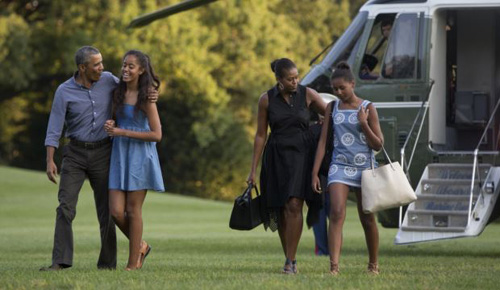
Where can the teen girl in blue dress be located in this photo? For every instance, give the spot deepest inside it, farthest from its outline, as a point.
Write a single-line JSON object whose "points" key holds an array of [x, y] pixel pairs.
{"points": [[356, 134], [134, 165]]}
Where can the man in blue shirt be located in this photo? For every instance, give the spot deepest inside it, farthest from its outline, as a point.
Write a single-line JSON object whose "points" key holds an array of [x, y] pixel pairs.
{"points": [[82, 104]]}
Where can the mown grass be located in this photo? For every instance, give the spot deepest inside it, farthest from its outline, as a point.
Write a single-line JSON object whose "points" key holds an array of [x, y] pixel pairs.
{"points": [[193, 248]]}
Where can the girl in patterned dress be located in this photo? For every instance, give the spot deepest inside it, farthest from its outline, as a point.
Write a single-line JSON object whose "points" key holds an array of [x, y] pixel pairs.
{"points": [[356, 134]]}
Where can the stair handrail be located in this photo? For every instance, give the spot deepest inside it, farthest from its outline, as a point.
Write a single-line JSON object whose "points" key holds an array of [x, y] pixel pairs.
{"points": [[489, 124], [475, 164], [423, 109], [450, 153], [406, 165], [473, 180]]}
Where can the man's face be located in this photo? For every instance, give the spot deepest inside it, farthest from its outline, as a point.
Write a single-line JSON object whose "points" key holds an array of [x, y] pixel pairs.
{"points": [[386, 30], [93, 68]]}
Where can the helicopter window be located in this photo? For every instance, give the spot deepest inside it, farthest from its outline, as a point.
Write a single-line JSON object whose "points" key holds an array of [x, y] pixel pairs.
{"points": [[343, 48], [400, 57], [319, 77], [377, 45]]}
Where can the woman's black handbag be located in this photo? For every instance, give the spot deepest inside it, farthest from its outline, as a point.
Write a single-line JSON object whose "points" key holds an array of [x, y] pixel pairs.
{"points": [[246, 211]]}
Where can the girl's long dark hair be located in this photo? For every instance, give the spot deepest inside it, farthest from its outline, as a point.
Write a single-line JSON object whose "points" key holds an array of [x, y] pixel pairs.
{"points": [[147, 80]]}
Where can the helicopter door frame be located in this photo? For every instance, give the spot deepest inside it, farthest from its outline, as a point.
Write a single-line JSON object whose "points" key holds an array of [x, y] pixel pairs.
{"points": [[437, 72]]}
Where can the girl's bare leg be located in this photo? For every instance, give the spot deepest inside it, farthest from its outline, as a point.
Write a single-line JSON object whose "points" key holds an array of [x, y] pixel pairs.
{"points": [[117, 206], [371, 231], [135, 200], [338, 198]]}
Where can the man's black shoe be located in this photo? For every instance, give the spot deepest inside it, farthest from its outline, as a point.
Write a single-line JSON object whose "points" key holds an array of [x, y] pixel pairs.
{"points": [[53, 267]]}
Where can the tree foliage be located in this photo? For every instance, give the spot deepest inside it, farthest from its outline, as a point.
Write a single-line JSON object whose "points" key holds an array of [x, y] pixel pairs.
{"points": [[213, 63]]}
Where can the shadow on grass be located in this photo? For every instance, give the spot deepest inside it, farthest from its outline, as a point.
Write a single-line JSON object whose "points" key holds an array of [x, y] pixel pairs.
{"points": [[412, 251], [261, 247]]}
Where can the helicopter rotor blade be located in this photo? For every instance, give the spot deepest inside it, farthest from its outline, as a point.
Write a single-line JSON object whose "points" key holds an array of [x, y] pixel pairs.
{"points": [[167, 11]]}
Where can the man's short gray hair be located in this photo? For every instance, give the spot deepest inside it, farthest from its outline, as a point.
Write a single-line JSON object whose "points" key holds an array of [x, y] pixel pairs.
{"points": [[83, 54]]}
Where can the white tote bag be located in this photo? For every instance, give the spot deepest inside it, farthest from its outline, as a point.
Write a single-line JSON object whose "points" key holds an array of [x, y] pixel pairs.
{"points": [[385, 187]]}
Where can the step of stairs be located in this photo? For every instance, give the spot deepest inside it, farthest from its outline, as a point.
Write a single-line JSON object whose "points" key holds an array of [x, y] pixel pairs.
{"points": [[437, 218], [437, 202], [432, 229], [455, 171], [448, 186]]}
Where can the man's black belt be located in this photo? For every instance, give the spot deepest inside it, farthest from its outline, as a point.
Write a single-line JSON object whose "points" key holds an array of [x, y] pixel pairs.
{"points": [[90, 145]]}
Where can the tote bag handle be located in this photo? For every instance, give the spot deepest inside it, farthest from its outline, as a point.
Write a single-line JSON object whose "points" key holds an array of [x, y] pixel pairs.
{"points": [[386, 157]]}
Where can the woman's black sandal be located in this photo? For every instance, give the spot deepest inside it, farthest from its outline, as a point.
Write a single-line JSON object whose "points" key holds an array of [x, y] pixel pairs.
{"points": [[288, 267]]}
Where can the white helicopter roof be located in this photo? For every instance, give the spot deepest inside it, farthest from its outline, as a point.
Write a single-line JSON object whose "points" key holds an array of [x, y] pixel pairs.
{"points": [[387, 6]]}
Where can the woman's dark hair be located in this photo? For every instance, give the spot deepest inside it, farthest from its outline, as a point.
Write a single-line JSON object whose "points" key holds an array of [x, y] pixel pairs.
{"points": [[343, 70], [279, 66], [147, 80]]}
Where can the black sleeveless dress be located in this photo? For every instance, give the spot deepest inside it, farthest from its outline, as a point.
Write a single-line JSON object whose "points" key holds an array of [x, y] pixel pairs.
{"points": [[288, 157]]}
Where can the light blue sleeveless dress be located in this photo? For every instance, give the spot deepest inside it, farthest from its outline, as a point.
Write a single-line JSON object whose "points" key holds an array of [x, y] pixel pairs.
{"points": [[351, 154], [134, 163]]}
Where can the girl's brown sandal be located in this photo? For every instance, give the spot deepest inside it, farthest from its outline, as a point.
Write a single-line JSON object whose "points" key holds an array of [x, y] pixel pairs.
{"points": [[373, 269], [334, 268]]}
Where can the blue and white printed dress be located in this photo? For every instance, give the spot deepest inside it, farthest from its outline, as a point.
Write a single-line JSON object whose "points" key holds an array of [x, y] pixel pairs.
{"points": [[351, 154], [134, 163]]}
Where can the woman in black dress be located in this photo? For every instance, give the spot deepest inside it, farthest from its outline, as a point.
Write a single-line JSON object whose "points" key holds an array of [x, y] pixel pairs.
{"points": [[288, 156]]}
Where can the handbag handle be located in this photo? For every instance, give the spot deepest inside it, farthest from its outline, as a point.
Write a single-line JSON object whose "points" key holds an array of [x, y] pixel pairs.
{"points": [[386, 157], [256, 189], [247, 194], [250, 186]]}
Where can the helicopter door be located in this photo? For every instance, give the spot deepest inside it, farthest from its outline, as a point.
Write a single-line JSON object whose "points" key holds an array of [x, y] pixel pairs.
{"points": [[471, 65]]}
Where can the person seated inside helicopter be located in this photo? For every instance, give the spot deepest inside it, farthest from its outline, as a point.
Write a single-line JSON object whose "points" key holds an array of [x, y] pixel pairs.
{"points": [[370, 68], [367, 66], [399, 62], [385, 28]]}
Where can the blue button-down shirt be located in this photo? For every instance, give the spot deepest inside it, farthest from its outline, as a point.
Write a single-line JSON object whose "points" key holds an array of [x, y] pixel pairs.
{"points": [[84, 111]]}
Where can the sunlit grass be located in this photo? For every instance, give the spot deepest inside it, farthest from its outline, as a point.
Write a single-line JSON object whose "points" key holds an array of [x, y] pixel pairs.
{"points": [[193, 248]]}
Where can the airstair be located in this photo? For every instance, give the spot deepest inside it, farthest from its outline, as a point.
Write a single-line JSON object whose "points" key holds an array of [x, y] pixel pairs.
{"points": [[454, 200], [450, 203]]}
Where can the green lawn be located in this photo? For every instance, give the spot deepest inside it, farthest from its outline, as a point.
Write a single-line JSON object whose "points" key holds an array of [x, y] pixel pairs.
{"points": [[193, 248]]}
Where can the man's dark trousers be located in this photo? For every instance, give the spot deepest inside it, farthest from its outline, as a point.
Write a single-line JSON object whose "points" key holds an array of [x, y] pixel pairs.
{"points": [[79, 163]]}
